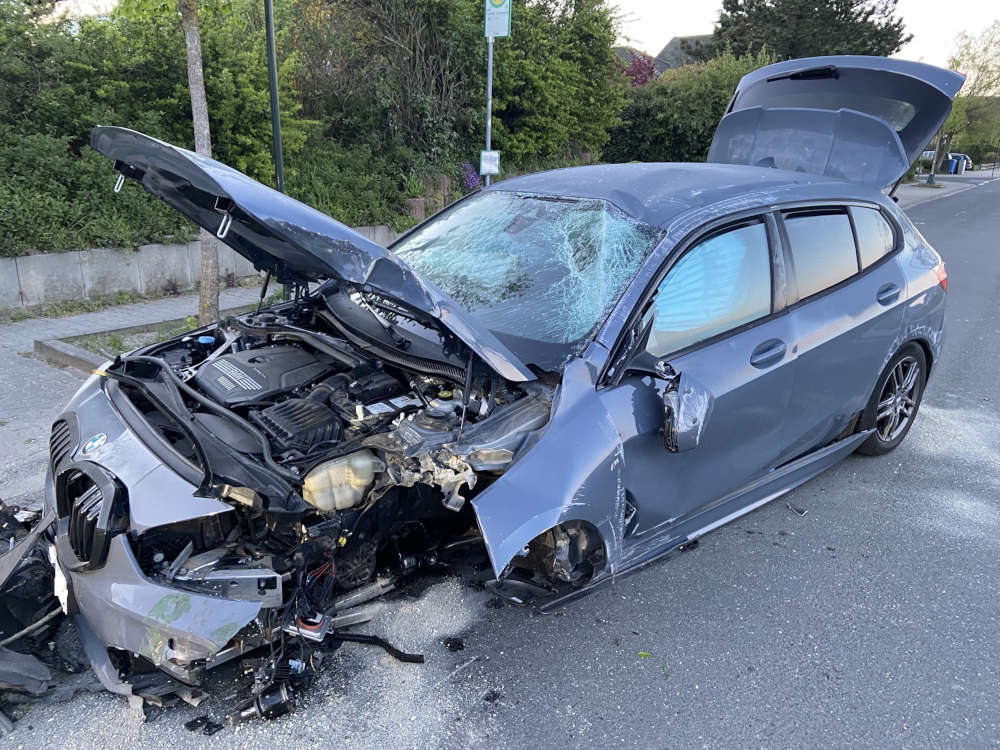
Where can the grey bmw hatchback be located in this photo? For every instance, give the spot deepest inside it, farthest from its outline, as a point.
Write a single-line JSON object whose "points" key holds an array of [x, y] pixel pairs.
{"points": [[572, 372]]}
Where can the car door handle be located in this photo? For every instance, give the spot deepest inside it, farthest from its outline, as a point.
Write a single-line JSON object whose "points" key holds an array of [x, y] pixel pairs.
{"points": [[887, 294], [768, 353]]}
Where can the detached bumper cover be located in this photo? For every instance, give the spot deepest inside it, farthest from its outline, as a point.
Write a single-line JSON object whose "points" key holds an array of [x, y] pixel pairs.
{"points": [[122, 607], [168, 626]]}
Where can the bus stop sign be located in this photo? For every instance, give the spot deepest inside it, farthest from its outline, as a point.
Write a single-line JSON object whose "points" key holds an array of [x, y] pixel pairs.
{"points": [[497, 18]]}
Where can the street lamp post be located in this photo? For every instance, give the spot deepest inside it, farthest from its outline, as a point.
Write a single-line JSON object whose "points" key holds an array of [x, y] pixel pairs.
{"points": [[272, 83]]}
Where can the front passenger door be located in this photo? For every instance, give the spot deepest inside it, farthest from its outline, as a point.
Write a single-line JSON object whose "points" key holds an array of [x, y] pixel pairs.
{"points": [[714, 320]]}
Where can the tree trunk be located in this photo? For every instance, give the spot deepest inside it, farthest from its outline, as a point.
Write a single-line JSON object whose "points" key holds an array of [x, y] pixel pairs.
{"points": [[940, 151], [208, 292]]}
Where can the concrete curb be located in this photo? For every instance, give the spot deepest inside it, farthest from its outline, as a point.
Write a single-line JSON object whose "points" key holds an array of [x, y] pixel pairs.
{"points": [[63, 354]]}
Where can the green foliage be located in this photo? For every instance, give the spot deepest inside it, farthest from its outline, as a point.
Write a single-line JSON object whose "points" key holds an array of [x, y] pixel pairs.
{"points": [[378, 99], [350, 183], [805, 28], [52, 199], [408, 77], [558, 86], [673, 118], [978, 57], [558, 89]]}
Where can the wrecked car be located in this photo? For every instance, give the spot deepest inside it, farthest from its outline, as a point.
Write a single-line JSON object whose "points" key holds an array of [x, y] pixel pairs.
{"points": [[577, 371]]}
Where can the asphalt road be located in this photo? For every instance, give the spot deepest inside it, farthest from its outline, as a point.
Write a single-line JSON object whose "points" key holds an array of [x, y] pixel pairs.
{"points": [[873, 620]]}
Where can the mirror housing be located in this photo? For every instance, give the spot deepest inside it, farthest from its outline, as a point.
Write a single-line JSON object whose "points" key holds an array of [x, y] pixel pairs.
{"points": [[687, 407], [687, 404]]}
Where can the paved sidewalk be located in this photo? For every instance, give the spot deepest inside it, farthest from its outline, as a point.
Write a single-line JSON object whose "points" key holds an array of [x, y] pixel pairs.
{"points": [[32, 392], [915, 193]]}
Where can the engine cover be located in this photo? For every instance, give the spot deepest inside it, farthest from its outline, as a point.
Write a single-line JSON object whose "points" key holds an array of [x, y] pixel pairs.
{"points": [[258, 374], [299, 424]]}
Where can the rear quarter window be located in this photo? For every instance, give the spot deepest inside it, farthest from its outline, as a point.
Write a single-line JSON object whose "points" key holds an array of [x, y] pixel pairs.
{"points": [[822, 247], [875, 236]]}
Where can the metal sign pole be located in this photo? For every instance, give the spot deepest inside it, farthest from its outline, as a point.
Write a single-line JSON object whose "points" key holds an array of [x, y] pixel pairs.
{"points": [[489, 99], [496, 23]]}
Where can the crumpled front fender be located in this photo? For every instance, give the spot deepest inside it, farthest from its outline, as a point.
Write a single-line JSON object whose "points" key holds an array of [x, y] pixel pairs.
{"points": [[573, 473]]}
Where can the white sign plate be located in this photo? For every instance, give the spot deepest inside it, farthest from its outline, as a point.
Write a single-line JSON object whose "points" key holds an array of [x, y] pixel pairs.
{"points": [[489, 162], [498, 18]]}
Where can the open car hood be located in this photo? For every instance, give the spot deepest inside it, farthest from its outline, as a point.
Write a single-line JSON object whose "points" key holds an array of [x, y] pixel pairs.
{"points": [[294, 242], [864, 119]]}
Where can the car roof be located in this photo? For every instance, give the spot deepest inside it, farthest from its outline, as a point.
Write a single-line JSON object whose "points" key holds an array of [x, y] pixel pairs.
{"points": [[658, 193]]}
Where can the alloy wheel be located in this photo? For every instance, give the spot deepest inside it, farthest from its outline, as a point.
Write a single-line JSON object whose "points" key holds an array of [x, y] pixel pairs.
{"points": [[897, 403]]}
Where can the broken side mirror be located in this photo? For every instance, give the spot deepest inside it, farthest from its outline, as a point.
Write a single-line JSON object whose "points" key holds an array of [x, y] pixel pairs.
{"points": [[687, 404]]}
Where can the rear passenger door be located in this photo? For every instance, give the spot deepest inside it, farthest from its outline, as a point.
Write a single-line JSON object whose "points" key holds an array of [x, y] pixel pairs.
{"points": [[848, 310]]}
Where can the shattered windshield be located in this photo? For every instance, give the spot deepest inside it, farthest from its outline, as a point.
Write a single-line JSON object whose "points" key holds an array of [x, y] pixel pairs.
{"points": [[538, 271]]}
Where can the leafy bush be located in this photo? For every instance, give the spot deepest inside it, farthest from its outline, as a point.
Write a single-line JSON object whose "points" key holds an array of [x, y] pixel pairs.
{"points": [[979, 152], [351, 184], [674, 117], [377, 99], [52, 200]]}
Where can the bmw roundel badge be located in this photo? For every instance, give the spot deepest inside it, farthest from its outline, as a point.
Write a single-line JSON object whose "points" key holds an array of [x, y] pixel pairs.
{"points": [[94, 443]]}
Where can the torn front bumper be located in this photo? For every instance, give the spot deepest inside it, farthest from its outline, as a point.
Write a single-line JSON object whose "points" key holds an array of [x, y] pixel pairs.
{"points": [[180, 631]]}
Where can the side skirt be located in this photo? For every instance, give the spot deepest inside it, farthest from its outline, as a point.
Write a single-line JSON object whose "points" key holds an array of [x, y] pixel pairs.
{"points": [[738, 503]]}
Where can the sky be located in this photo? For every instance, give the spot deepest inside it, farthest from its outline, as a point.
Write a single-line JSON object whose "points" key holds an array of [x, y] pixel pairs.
{"points": [[650, 24]]}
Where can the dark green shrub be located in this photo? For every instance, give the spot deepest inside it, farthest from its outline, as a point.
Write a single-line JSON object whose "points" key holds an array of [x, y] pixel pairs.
{"points": [[52, 200], [351, 184], [674, 117]]}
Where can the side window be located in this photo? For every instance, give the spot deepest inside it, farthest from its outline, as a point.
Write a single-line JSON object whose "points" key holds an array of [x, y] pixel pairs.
{"points": [[875, 237], [822, 246], [719, 284]]}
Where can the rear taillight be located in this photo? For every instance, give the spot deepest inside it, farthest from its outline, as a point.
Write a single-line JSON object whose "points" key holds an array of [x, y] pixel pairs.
{"points": [[942, 276]]}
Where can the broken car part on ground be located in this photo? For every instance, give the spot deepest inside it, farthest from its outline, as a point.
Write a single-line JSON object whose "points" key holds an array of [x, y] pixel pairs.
{"points": [[550, 371]]}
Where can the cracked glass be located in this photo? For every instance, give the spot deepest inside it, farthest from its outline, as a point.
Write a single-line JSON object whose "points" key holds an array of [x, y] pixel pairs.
{"points": [[541, 272]]}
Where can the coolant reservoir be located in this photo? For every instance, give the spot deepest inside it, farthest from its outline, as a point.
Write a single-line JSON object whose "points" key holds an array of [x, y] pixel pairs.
{"points": [[342, 482]]}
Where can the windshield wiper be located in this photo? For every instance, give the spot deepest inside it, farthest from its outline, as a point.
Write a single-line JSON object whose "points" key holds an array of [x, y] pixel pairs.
{"points": [[812, 74]]}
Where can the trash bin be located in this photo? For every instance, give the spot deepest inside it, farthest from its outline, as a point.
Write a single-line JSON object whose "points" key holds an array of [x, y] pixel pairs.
{"points": [[960, 169], [952, 166]]}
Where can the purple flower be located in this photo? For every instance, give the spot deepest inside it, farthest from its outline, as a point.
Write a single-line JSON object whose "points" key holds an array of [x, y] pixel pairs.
{"points": [[470, 176]]}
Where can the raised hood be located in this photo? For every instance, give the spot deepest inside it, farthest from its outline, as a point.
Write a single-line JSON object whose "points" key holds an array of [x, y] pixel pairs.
{"points": [[294, 242], [864, 119]]}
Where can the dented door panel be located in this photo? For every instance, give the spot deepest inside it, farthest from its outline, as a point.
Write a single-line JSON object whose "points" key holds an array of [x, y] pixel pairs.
{"points": [[741, 431]]}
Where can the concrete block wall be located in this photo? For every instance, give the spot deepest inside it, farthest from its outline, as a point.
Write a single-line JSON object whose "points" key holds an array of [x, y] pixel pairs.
{"points": [[83, 274]]}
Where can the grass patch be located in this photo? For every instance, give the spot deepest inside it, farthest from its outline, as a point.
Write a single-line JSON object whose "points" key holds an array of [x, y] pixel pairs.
{"points": [[76, 306], [112, 343]]}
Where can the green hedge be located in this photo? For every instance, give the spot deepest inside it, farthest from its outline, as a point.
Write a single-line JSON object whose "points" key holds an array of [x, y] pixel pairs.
{"points": [[674, 117], [53, 200], [349, 183]]}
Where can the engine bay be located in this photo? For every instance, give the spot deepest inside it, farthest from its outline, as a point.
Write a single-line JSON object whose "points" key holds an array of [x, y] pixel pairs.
{"points": [[347, 455]]}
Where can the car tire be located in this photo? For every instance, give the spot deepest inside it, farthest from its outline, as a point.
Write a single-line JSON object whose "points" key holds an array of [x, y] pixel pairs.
{"points": [[895, 401]]}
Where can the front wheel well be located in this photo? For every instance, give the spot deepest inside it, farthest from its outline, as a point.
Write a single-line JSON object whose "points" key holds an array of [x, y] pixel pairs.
{"points": [[571, 552]]}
